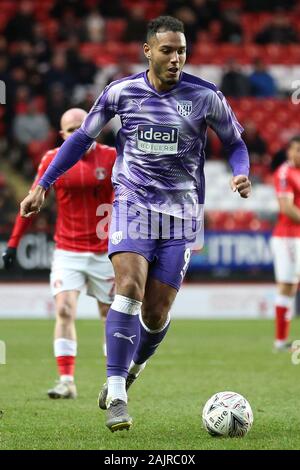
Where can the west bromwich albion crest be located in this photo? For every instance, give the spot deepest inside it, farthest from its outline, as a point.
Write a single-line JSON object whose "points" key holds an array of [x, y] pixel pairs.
{"points": [[184, 108]]}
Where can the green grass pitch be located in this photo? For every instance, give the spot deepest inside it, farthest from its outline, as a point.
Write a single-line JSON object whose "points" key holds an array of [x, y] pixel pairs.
{"points": [[197, 359]]}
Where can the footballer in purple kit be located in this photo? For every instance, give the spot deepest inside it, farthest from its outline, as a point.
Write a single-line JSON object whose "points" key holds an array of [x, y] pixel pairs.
{"points": [[158, 176]]}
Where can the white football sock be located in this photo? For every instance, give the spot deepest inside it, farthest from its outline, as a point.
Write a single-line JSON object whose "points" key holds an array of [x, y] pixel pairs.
{"points": [[66, 378], [279, 342], [116, 389], [284, 301], [65, 347]]}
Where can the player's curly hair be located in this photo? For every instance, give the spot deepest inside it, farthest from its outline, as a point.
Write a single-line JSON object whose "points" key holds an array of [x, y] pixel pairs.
{"points": [[161, 24], [295, 139]]}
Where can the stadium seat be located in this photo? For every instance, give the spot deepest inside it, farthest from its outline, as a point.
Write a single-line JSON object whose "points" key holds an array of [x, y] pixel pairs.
{"points": [[2, 180], [37, 148], [114, 29], [203, 53], [154, 8], [134, 53], [8, 8], [207, 52], [51, 29]]}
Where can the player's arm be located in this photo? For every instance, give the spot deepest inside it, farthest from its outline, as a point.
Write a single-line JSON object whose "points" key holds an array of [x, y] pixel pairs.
{"points": [[223, 121], [21, 225], [288, 208], [71, 150]]}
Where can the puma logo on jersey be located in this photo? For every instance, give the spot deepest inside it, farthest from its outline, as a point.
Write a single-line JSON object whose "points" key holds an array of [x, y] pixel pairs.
{"points": [[120, 335]]}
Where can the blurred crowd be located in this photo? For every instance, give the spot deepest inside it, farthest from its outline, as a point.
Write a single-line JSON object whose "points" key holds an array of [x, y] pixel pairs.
{"points": [[45, 72], [7, 205]]}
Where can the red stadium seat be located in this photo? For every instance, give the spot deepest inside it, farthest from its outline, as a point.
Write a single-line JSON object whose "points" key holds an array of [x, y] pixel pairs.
{"points": [[154, 8], [216, 220], [272, 127], [8, 7], [293, 51], [226, 52], [114, 29], [206, 52], [241, 116], [3, 181], [227, 4], [242, 219], [283, 117], [3, 22], [51, 29], [258, 116], [203, 53], [270, 105], [259, 171], [275, 146], [214, 30], [111, 52], [269, 179], [253, 51], [94, 51], [2, 124], [274, 54], [36, 149], [133, 52], [253, 23], [247, 104]]}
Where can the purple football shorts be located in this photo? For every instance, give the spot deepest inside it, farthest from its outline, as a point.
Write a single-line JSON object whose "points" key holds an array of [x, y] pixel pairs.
{"points": [[164, 241]]}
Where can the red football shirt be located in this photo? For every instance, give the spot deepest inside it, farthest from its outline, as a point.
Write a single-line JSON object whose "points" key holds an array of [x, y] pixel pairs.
{"points": [[79, 194], [287, 183]]}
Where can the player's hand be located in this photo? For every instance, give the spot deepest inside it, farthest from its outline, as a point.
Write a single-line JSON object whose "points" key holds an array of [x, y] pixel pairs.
{"points": [[9, 257], [242, 184], [33, 202]]}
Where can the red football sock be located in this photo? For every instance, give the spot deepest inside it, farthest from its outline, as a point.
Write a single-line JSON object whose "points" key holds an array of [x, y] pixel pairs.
{"points": [[66, 365], [282, 323]]}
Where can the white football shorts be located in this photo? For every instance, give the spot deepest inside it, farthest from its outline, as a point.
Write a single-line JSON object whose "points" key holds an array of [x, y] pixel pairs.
{"points": [[85, 272], [286, 253]]}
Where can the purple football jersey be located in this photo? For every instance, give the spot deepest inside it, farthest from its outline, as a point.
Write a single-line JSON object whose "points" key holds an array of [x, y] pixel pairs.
{"points": [[160, 145]]}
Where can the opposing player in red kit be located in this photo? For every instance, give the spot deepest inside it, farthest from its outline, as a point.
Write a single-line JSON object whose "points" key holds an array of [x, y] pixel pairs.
{"points": [[80, 261], [286, 242]]}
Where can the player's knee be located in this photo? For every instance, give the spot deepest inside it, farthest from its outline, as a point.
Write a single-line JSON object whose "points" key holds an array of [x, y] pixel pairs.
{"points": [[132, 288], [154, 319], [64, 312], [289, 290], [103, 309], [155, 311]]}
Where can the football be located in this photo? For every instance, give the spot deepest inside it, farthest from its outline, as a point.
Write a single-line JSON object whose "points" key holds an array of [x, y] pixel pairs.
{"points": [[227, 414]]}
